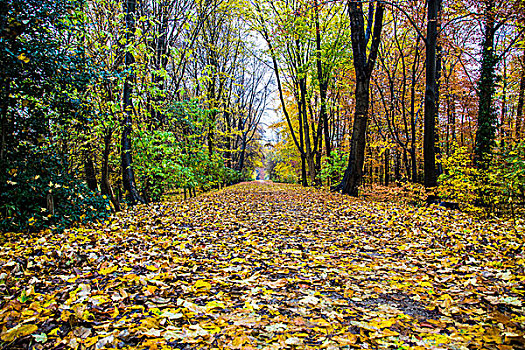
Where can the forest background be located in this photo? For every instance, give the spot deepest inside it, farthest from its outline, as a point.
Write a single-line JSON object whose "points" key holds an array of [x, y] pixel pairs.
{"points": [[110, 103]]}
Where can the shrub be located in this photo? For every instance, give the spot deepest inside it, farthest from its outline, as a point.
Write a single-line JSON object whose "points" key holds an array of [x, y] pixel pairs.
{"points": [[333, 168], [37, 192], [500, 185], [461, 179]]}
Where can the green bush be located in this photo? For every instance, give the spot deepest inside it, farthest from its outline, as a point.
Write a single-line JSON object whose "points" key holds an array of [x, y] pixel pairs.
{"points": [[157, 162], [460, 181], [505, 179], [498, 186], [333, 168], [37, 192], [163, 163]]}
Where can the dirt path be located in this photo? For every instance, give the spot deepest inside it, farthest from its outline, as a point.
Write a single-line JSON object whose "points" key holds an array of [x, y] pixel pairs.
{"points": [[267, 266]]}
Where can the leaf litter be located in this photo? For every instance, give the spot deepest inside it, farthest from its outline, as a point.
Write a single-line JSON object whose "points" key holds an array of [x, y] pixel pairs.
{"points": [[267, 266]]}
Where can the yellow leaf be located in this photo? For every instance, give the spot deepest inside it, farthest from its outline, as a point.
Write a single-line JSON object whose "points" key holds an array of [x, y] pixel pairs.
{"points": [[346, 339], [321, 322], [210, 327], [152, 344], [107, 270], [446, 301], [65, 316], [19, 331], [383, 334], [212, 305], [115, 312], [54, 332], [22, 57], [239, 341], [150, 290], [202, 286], [149, 323], [384, 323], [90, 341]]}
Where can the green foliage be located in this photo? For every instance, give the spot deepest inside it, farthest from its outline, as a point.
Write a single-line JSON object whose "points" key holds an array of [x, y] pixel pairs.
{"points": [[333, 168], [460, 180], [500, 186], [42, 76], [166, 160], [42, 69], [37, 192], [504, 182], [156, 161], [283, 166]]}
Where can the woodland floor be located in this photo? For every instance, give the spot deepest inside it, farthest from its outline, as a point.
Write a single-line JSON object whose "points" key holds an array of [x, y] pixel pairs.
{"points": [[264, 266]]}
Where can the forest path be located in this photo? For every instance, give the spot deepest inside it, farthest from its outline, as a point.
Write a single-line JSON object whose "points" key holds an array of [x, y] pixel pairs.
{"points": [[266, 266]]}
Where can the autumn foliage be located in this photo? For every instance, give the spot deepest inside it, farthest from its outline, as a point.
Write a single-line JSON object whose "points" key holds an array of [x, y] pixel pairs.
{"points": [[265, 266]]}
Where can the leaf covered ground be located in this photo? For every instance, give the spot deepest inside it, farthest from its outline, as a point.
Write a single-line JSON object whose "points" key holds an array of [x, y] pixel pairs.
{"points": [[264, 266]]}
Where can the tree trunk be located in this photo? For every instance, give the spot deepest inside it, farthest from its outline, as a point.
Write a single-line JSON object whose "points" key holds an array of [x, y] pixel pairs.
{"points": [[318, 165], [228, 152], [503, 120], [363, 70], [429, 152], [387, 167], [243, 152], [105, 185], [298, 143], [304, 180], [160, 45], [354, 171], [128, 178], [521, 98], [413, 119], [89, 170], [485, 133], [4, 106], [323, 85], [310, 155], [397, 165]]}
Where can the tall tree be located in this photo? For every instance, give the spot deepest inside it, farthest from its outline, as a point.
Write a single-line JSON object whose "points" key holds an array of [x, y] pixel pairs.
{"points": [[521, 99], [363, 65], [429, 151], [128, 178], [486, 87]]}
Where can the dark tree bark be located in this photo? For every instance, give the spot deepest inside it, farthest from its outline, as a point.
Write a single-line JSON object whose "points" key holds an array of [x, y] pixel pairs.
{"points": [[160, 45], [310, 155], [243, 152], [485, 133], [302, 151], [387, 167], [128, 178], [228, 152], [4, 105], [397, 165], [413, 159], [363, 69], [521, 98], [323, 85], [105, 185], [89, 171], [429, 152]]}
